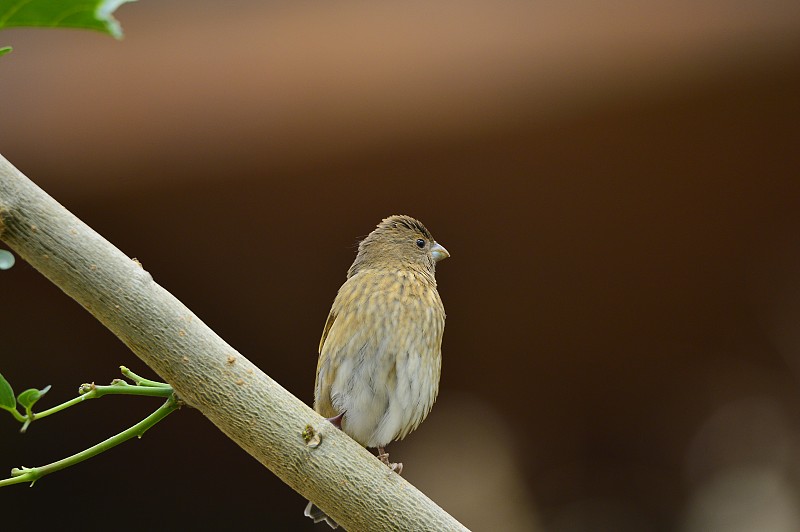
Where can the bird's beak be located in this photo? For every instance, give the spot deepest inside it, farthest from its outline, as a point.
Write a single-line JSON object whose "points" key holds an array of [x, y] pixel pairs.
{"points": [[438, 252]]}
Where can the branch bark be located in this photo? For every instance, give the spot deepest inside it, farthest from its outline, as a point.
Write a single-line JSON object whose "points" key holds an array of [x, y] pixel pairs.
{"points": [[280, 431]]}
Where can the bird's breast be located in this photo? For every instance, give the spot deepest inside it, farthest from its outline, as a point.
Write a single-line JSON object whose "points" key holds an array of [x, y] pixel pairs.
{"points": [[383, 354]]}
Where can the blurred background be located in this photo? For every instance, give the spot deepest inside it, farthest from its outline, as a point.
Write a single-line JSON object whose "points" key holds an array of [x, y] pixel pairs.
{"points": [[618, 184]]}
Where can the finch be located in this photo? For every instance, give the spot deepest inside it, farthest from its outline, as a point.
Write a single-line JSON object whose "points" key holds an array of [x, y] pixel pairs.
{"points": [[380, 355]]}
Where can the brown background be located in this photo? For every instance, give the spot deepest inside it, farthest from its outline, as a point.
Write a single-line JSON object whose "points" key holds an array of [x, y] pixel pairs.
{"points": [[618, 187]]}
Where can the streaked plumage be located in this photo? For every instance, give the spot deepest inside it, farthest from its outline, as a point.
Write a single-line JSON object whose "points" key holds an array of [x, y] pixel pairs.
{"points": [[380, 352]]}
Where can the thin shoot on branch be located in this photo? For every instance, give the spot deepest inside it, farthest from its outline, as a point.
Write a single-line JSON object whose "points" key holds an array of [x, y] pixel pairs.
{"points": [[28, 398]]}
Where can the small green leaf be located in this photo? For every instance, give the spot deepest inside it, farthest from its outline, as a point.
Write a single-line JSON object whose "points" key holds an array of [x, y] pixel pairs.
{"points": [[5, 49], [86, 14], [6, 257], [29, 397], [7, 401]]}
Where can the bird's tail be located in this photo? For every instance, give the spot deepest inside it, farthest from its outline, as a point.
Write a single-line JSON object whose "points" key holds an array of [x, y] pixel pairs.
{"points": [[313, 512]]}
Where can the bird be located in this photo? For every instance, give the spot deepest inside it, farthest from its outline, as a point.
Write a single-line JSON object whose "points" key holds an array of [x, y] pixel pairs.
{"points": [[380, 355]]}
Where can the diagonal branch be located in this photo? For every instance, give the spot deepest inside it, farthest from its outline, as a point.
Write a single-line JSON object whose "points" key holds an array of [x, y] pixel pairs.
{"points": [[279, 430]]}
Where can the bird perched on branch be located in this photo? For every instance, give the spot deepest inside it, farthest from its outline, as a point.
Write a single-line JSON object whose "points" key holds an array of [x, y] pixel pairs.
{"points": [[380, 354]]}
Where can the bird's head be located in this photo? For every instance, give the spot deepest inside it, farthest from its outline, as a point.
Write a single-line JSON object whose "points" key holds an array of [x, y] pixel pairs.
{"points": [[399, 242]]}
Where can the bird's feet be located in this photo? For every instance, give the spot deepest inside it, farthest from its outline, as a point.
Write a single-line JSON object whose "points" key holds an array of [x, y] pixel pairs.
{"points": [[383, 456]]}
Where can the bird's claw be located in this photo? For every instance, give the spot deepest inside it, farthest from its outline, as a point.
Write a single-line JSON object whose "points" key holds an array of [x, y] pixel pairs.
{"points": [[383, 456]]}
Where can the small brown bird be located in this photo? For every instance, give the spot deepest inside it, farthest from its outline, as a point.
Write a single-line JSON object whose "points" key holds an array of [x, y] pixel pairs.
{"points": [[380, 355]]}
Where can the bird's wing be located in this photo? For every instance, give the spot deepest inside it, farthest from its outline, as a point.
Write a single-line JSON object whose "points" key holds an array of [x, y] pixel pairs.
{"points": [[327, 329], [325, 374]]}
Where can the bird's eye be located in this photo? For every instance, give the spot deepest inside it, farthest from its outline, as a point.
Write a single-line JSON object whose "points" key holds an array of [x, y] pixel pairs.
{"points": [[420, 243]]}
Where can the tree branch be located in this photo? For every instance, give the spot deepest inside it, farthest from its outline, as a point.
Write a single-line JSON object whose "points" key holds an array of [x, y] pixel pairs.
{"points": [[280, 431]]}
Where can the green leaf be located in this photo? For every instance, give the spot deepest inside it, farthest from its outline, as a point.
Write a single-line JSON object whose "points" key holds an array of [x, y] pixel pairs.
{"points": [[84, 14], [7, 401], [5, 49], [29, 397], [6, 257]]}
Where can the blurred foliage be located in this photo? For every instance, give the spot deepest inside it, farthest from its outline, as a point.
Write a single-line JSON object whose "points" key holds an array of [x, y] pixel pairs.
{"points": [[92, 15]]}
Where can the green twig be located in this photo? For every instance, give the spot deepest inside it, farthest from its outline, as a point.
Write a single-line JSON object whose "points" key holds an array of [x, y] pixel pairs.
{"points": [[87, 391], [92, 391], [141, 381], [25, 474]]}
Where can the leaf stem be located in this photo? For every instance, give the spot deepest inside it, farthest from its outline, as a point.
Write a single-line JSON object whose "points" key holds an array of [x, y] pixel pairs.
{"points": [[24, 474], [19, 417]]}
